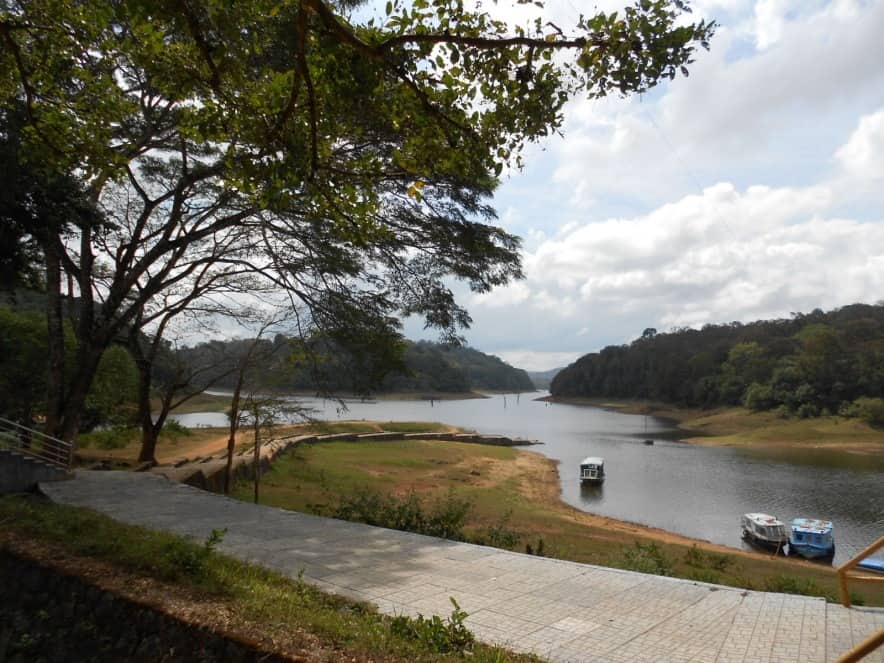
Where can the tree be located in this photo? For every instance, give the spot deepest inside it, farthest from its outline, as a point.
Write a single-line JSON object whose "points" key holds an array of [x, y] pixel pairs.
{"points": [[344, 163]]}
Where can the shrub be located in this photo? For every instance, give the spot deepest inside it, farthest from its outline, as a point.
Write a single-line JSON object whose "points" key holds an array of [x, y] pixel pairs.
{"points": [[795, 585], [645, 559], [108, 438], [501, 536], [444, 519], [443, 637], [870, 410]]}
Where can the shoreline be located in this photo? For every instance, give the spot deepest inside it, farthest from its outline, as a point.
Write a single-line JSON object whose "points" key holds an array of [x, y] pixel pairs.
{"points": [[736, 426], [657, 534]]}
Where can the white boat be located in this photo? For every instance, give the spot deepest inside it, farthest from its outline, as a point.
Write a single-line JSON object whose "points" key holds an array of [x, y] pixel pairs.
{"points": [[764, 530], [592, 470]]}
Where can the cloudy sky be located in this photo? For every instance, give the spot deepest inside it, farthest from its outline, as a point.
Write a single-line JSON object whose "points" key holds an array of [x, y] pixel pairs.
{"points": [[749, 190]]}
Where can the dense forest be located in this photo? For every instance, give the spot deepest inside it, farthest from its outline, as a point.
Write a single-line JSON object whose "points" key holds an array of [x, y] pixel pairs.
{"points": [[424, 367], [810, 364]]}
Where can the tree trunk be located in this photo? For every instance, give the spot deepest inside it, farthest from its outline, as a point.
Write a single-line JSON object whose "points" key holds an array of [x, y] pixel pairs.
{"points": [[88, 358], [257, 453], [55, 387], [234, 424], [145, 420]]}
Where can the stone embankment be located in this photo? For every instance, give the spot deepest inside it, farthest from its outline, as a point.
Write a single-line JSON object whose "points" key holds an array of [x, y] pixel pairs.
{"points": [[208, 472], [48, 614]]}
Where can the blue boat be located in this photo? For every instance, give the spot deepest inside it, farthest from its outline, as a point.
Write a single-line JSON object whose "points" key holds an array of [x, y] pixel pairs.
{"points": [[812, 538], [875, 564]]}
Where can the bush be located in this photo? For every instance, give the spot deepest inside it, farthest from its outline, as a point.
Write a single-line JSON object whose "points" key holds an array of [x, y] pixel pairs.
{"points": [[759, 397], [444, 519], [795, 585], [109, 438], [172, 429], [443, 637], [501, 536], [869, 410], [645, 559]]}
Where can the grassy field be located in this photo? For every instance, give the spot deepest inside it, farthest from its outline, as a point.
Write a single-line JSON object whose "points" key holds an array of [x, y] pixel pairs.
{"points": [[514, 497], [738, 425], [175, 443], [204, 587]]}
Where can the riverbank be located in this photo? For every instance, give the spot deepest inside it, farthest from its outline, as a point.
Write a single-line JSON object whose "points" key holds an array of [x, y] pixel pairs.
{"points": [[220, 402], [515, 502], [734, 426]]}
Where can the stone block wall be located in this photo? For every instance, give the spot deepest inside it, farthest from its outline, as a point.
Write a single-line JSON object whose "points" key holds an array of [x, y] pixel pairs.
{"points": [[46, 615]]}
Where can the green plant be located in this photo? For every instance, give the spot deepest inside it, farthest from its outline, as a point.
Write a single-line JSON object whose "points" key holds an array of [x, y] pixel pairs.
{"points": [[500, 535], [108, 438], [795, 585], [444, 519], [441, 636], [645, 558], [173, 430], [707, 560], [190, 559]]}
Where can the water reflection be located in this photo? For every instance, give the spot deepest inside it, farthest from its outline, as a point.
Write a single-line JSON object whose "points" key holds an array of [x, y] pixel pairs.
{"points": [[592, 492], [694, 490]]}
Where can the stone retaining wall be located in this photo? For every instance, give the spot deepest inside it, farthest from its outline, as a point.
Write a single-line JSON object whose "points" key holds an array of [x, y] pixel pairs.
{"points": [[47, 615]]}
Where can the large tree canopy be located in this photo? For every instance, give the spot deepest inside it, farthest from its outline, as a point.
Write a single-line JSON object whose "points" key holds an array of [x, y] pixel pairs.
{"points": [[344, 161]]}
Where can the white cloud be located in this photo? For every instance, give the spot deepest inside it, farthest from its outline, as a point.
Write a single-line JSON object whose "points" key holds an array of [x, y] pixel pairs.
{"points": [[727, 254], [863, 154]]}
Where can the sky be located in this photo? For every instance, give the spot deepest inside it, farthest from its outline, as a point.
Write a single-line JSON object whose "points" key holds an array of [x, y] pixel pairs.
{"points": [[752, 189]]}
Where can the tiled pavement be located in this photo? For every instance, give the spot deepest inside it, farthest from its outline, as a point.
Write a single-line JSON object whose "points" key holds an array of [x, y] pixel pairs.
{"points": [[562, 611]]}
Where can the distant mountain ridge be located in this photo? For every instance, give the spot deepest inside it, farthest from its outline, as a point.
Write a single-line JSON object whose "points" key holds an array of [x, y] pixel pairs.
{"points": [[428, 368], [543, 379]]}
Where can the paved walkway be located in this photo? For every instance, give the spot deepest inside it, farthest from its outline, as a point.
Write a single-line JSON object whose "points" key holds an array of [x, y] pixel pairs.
{"points": [[562, 611]]}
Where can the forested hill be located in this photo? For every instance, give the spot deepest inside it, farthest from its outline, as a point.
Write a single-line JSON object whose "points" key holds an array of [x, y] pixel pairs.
{"points": [[429, 367], [809, 364]]}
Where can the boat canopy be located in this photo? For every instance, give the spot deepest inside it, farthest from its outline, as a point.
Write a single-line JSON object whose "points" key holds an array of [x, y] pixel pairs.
{"points": [[812, 526], [592, 460], [764, 520]]}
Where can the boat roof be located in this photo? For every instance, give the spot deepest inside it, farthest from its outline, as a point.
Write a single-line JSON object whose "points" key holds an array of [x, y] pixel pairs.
{"points": [[593, 460], [764, 519], [812, 525]]}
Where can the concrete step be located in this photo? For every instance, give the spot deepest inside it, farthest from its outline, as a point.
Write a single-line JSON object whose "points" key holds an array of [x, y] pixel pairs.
{"points": [[20, 472]]}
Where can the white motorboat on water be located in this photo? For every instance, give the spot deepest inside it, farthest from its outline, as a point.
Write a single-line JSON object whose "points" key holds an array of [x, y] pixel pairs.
{"points": [[764, 530], [592, 469]]}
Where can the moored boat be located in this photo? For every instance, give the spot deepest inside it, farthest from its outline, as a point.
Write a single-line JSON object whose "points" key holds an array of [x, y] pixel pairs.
{"points": [[764, 530], [812, 538], [592, 469], [874, 564]]}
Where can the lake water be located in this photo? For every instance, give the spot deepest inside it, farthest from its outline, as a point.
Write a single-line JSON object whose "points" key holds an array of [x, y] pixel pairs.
{"points": [[690, 489]]}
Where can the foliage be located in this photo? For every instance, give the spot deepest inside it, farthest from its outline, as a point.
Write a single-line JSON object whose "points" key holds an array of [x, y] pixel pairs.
{"points": [[108, 438], [293, 145], [870, 410], [500, 535], [807, 365], [423, 367], [645, 558], [22, 364], [794, 585], [445, 518], [113, 392], [699, 559], [435, 634], [24, 381]]}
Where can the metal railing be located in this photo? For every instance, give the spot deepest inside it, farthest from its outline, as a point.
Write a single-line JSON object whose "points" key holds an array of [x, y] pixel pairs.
{"points": [[33, 443]]}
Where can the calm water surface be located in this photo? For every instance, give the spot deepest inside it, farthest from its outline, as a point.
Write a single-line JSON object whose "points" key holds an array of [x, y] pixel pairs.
{"points": [[693, 490]]}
